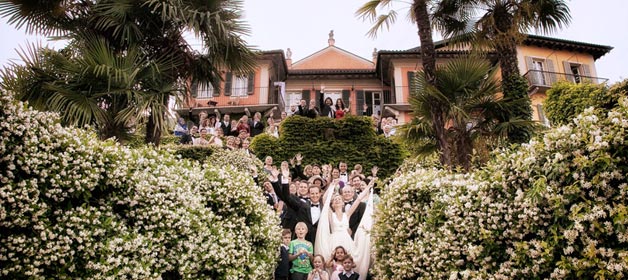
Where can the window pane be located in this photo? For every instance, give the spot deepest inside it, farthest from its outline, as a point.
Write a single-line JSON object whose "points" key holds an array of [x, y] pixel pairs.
{"points": [[205, 91], [240, 86]]}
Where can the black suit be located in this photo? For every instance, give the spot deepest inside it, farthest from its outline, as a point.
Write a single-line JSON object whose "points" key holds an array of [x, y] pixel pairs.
{"points": [[269, 199], [353, 276], [356, 217], [300, 208], [326, 110], [256, 128], [226, 129]]}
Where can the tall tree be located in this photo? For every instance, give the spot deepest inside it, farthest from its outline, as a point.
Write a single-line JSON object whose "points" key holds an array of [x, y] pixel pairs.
{"points": [[156, 29], [420, 14], [468, 98], [502, 25], [92, 85]]}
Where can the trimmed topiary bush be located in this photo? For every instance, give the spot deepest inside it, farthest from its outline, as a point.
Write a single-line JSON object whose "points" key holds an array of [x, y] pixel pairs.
{"points": [[74, 207], [324, 140], [554, 208]]}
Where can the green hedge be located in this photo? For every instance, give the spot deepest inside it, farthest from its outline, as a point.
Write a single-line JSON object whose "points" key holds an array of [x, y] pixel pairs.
{"points": [[324, 140], [566, 100]]}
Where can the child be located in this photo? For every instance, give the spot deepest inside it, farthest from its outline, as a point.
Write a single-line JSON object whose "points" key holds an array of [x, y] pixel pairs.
{"points": [[300, 253], [319, 272], [347, 272], [282, 272], [335, 263]]}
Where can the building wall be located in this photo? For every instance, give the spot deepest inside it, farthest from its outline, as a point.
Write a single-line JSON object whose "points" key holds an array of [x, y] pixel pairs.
{"points": [[557, 58], [336, 86], [259, 96]]}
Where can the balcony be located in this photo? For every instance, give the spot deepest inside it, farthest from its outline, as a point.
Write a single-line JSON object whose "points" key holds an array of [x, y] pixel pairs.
{"points": [[540, 81], [205, 101]]}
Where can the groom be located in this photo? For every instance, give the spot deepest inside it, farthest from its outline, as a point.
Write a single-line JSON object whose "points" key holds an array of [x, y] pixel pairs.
{"points": [[348, 195], [308, 212]]}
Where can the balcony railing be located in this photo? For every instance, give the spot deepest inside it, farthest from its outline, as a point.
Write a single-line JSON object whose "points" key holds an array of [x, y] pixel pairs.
{"points": [[206, 98], [540, 78]]}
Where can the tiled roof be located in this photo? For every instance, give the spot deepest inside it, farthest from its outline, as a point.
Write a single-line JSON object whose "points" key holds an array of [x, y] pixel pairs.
{"points": [[536, 40]]}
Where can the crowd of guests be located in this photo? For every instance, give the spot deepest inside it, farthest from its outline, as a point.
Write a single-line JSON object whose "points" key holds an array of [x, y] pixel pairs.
{"points": [[222, 131], [297, 192], [297, 195], [212, 130]]}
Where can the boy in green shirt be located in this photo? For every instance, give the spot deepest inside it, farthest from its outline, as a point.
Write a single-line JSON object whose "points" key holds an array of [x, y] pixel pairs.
{"points": [[300, 252]]}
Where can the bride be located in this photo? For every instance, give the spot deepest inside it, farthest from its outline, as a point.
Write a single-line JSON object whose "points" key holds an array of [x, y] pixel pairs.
{"points": [[333, 229]]}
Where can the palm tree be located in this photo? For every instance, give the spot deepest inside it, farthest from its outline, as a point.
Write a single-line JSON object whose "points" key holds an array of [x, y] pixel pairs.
{"points": [[502, 25], [468, 100], [156, 29], [420, 14], [91, 85]]}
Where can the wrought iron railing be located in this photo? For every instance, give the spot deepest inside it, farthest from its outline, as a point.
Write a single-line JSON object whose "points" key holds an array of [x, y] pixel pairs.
{"points": [[547, 78]]}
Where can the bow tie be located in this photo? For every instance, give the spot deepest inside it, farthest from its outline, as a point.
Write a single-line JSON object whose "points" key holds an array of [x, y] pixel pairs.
{"points": [[343, 174], [348, 202], [315, 205]]}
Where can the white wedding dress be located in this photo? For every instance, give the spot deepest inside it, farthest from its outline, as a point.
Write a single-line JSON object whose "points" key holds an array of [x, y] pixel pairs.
{"points": [[329, 235], [340, 233]]}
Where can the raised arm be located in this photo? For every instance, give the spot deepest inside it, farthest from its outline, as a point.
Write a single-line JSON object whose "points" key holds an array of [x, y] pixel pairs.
{"points": [[218, 118], [289, 199], [359, 199], [298, 171]]}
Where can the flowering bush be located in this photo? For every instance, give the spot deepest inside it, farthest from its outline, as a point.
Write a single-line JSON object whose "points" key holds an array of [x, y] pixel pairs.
{"points": [[72, 206], [553, 209]]}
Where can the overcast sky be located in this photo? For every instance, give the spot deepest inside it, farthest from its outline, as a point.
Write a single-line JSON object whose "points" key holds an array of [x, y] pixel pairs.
{"points": [[303, 26]]}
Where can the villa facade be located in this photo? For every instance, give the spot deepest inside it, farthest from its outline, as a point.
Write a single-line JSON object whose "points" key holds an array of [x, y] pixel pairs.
{"points": [[381, 82]]}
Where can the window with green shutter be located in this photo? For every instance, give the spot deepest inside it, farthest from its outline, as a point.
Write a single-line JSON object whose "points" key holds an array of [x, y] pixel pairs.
{"points": [[346, 95], [251, 84], [359, 101], [228, 80], [306, 95]]}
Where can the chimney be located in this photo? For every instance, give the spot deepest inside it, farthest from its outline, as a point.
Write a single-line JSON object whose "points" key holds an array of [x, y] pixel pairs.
{"points": [[289, 58], [375, 56], [331, 40]]}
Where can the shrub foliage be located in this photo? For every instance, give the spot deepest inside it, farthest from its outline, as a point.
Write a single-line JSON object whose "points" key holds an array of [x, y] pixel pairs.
{"points": [[554, 208], [566, 100], [73, 207], [323, 140]]}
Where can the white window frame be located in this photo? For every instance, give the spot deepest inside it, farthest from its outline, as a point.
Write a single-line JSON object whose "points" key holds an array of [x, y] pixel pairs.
{"points": [[204, 91], [239, 86], [540, 75]]}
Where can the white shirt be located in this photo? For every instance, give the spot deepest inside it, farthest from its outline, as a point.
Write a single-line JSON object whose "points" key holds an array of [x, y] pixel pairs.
{"points": [[316, 213], [344, 178]]}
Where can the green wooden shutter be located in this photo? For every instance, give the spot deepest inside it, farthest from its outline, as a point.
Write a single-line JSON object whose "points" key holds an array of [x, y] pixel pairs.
{"points": [[568, 74], [550, 68], [306, 95], [360, 101], [346, 94], [388, 98], [586, 71], [368, 98], [411, 82], [251, 84], [228, 79], [194, 89]]}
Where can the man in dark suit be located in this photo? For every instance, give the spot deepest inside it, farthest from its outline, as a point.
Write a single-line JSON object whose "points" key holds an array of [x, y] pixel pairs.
{"points": [[306, 211], [225, 124], [348, 195], [256, 125]]}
